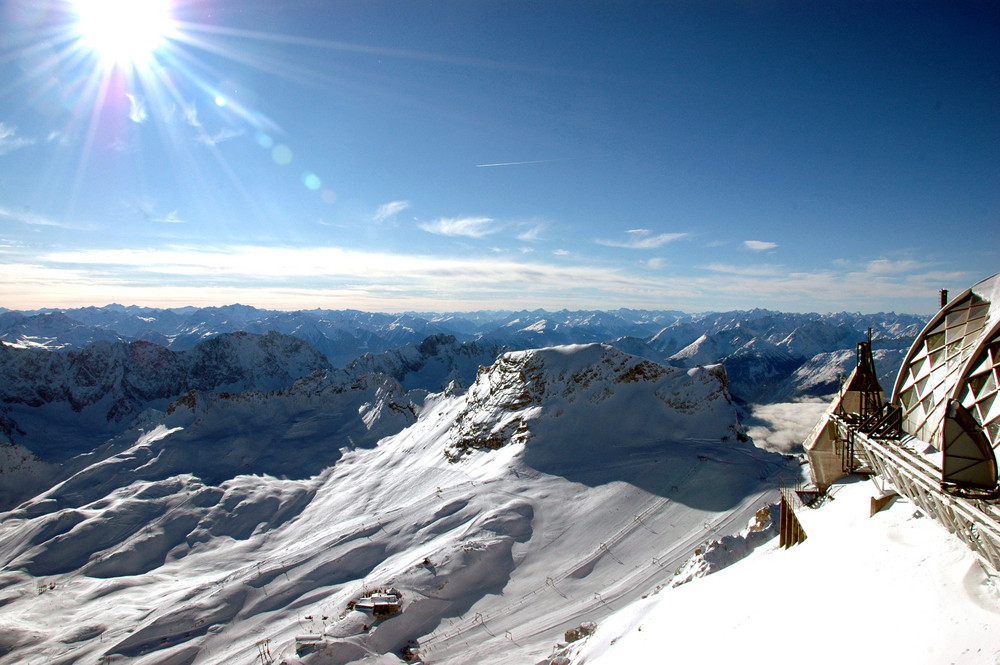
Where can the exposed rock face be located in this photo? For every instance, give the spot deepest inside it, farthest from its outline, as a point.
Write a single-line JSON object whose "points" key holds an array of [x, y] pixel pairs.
{"points": [[110, 383], [138, 372], [569, 384], [433, 364]]}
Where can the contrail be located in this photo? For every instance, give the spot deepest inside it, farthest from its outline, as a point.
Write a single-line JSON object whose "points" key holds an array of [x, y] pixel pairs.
{"points": [[534, 161]]}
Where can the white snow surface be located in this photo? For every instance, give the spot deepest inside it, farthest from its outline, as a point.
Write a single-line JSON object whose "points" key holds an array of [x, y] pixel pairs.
{"points": [[891, 588], [618, 470]]}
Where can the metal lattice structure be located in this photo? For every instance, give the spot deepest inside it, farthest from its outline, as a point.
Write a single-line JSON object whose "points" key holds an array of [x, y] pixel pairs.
{"points": [[955, 357], [936, 441]]}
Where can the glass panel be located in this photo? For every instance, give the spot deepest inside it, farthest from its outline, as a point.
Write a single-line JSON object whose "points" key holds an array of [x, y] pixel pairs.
{"points": [[935, 340]]}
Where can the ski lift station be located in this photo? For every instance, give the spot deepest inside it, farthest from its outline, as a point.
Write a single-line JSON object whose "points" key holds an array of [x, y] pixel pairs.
{"points": [[378, 603], [935, 441]]}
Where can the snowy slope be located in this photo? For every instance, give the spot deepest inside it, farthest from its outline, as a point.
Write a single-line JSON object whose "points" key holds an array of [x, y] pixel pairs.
{"points": [[892, 588], [166, 550]]}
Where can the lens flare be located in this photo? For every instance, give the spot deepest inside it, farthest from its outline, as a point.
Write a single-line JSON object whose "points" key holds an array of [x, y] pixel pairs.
{"points": [[281, 154], [311, 181]]}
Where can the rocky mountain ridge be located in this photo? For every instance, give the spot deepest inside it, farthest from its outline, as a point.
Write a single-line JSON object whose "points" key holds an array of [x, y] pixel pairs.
{"points": [[105, 384]]}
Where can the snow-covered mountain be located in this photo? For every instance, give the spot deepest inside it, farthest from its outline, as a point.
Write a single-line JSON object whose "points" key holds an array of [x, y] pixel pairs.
{"points": [[761, 349], [51, 330], [436, 363], [774, 356], [60, 404], [565, 483]]}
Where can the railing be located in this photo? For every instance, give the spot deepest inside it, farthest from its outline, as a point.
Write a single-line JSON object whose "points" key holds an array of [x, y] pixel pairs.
{"points": [[975, 522]]}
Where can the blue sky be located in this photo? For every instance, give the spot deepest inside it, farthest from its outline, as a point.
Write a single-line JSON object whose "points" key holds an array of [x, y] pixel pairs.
{"points": [[447, 156]]}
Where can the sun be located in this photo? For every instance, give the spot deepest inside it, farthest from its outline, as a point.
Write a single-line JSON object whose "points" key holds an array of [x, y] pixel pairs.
{"points": [[123, 31]]}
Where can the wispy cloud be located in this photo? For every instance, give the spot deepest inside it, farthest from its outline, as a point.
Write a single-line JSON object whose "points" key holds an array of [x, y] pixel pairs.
{"points": [[643, 239], [170, 218], [136, 108], [10, 141], [532, 234], [470, 227], [746, 271], [292, 277], [389, 210], [121, 146], [531, 161], [26, 217], [223, 134], [759, 245], [147, 209], [890, 267], [368, 279], [655, 263], [822, 289], [190, 114]]}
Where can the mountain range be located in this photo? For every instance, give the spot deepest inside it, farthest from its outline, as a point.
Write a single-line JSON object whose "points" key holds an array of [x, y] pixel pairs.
{"points": [[761, 349], [231, 494]]}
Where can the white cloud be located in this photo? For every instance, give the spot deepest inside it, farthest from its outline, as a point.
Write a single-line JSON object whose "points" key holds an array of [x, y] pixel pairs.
{"points": [[120, 145], [190, 113], [747, 271], [471, 227], [643, 239], [655, 264], [759, 245], [137, 108], [820, 289], [889, 267], [391, 209], [170, 218], [29, 218], [397, 281], [10, 141], [533, 234], [57, 137], [223, 134], [531, 161], [784, 426], [293, 277]]}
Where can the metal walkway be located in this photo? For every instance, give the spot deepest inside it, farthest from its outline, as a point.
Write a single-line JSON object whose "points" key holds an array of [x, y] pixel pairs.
{"points": [[975, 522]]}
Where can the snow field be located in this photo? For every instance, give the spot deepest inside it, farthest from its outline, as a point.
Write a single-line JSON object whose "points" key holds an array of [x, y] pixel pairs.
{"points": [[892, 588]]}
